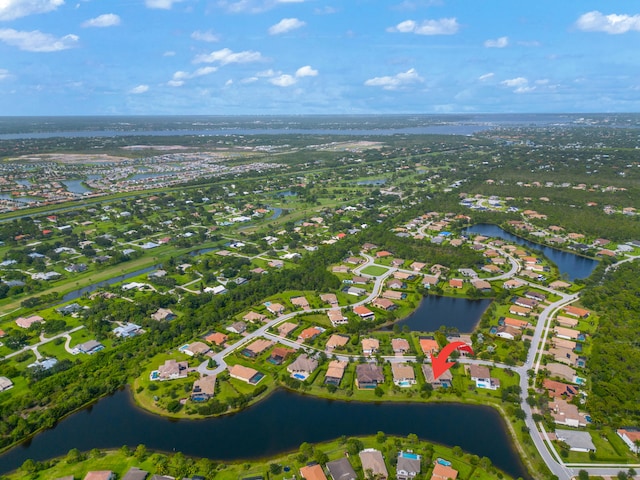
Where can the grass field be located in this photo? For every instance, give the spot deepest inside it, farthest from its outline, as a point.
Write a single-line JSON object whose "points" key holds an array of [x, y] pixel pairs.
{"points": [[374, 270]]}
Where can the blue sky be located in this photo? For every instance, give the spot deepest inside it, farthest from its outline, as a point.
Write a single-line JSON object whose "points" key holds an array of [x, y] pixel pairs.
{"points": [[217, 57]]}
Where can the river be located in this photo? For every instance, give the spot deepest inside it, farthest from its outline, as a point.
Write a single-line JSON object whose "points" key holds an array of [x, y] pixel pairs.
{"points": [[90, 288], [574, 266], [277, 424]]}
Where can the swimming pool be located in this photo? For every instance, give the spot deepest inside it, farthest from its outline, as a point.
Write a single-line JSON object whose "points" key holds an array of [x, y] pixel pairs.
{"points": [[299, 376], [413, 456], [404, 383], [444, 462], [183, 347], [154, 375]]}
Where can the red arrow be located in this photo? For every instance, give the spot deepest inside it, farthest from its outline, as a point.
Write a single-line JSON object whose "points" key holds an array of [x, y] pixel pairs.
{"points": [[440, 364]]}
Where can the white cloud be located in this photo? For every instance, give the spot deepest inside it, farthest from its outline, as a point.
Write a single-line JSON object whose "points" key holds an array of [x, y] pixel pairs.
{"points": [[226, 56], [249, 80], [228, 83], [612, 24], [36, 41], [286, 25], [179, 77], [497, 43], [12, 9], [4, 74], [101, 21], [252, 6], [306, 71], [486, 76], [169, 53], [283, 80], [266, 73], [395, 82], [161, 4], [519, 84], [442, 26], [139, 89], [207, 36], [175, 83]]}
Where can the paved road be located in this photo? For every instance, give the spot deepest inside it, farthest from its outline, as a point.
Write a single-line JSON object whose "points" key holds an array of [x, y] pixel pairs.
{"points": [[34, 347]]}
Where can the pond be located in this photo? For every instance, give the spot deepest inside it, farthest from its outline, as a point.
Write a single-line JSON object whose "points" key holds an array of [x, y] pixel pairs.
{"points": [[434, 312], [569, 264], [277, 424], [76, 186]]}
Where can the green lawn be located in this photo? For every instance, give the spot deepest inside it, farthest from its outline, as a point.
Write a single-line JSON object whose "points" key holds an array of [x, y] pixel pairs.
{"points": [[374, 270]]}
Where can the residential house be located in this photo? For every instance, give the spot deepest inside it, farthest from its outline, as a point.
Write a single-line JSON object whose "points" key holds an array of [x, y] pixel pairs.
{"points": [[468, 272], [69, 309], [134, 473], [577, 441], [396, 284], [456, 283], [197, 348], [631, 437], [245, 374], [356, 291], [284, 329], [512, 283], [576, 312], [564, 355], [515, 323], [329, 298], [518, 310], [275, 308], [507, 332], [336, 341], [89, 347], [384, 304], [256, 348], [237, 327], [203, 389], [163, 314], [366, 247], [393, 295], [340, 269], [443, 472], [561, 342], [127, 330], [279, 354], [100, 475], [408, 466], [417, 266], [559, 285], [445, 380], [302, 367], [568, 333], [526, 303], [430, 280], [403, 374], [357, 280], [309, 334], [363, 312], [5, 384], [429, 345], [373, 461], [400, 346], [565, 413], [216, 338], [312, 472], [301, 302], [368, 376], [567, 321], [27, 322], [383, 254], [335, 372], [254, 317], [561, 371], [559, 389], [537, 296], [336, 317], [276, 264], [370, 346], [482, 376], [481, 285], [341, 469], [171, 370], [491, 268], [354, 260]]}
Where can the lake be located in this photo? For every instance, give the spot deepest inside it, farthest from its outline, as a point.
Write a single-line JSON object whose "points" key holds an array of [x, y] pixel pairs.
{"points": [[76, 186], [120, 278], [574, 266], [277, 424], [434, 312]]}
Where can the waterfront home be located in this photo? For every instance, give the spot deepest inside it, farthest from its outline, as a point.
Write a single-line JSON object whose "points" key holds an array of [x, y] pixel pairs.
{"points": [[456, 283], [559, 285], [28, 321], [245, 374], [429, 345], [445, 380], [254, 317], [216, 338], [256, 348], [335, 372], [336, 317], [576, 312], [443, 472], [373, 461], [309, 334], [279, 354], [284, 329], [197, 348], [203, 389], [100, 475], [329, 298], [403, 374], [631, 437], [383, 304], [163, 314], [363, 312], [370, 346], [134, 473], [507, 332], [312, 472], [565, 413], [393, 295], [430, 280], [5, 384], [400, 345], [302, 367], [237, 327], [577, 441], [559, 389], [561, 371], [481, 285], [171, 370], [482, 376], [336, 341], [341, 469], [407, 466], [301, 302], [368, 376]]}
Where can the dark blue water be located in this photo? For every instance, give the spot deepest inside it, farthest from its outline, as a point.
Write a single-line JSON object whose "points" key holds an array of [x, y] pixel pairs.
{"points": [[90, 288], [574, 266], [434, 312], [277, 424], [76, 186]]}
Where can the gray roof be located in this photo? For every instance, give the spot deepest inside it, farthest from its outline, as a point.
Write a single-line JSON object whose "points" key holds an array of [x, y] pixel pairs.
{"points": [[576, 439], [367, 372], [408, 466], [341, 470], [135, 473]]}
